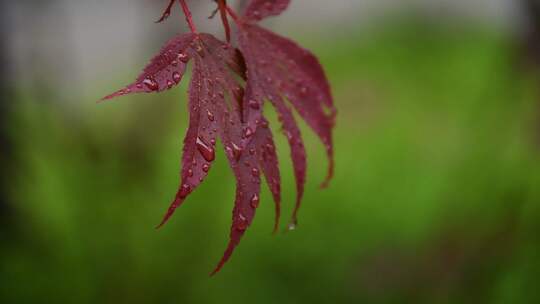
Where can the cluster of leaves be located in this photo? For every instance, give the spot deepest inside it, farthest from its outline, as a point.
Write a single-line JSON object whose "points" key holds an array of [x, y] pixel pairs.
{"points": [[229, 86]]}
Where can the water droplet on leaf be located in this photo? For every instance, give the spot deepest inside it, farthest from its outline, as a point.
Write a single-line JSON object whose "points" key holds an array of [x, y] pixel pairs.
{"points": [[151, 84], [206, 151], [183, 57], [210, 116], [176, 77], [255, 201], [237, 152]]}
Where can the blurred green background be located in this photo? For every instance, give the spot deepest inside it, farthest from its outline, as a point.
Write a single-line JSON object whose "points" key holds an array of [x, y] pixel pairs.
{"points": [[435, 198]]}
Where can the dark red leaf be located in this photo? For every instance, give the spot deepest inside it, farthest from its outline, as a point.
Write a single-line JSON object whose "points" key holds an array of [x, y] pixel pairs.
{"points": [[259, 9], [215, 108], [273, 68], [278, 68], [165, 70]]}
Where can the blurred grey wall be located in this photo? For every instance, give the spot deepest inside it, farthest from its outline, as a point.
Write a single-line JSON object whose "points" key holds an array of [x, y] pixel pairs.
{"points": [[81, 45]]}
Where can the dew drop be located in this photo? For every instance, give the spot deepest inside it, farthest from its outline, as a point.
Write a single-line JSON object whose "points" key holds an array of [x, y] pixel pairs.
{"points": [[183, 57], [210, 116], [206, 168], [184, 190], [291, 227], [151, 84], [176, 77], [237, 152], [254, 104], [255, 201], [206, 151], [242, 223], [200, 50], [248, 132], [255, 172], [170, 84], [190, 173]]}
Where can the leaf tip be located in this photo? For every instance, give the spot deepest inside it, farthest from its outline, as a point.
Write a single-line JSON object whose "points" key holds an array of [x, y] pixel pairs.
{"points": [[170, 212], [276, 221], [326, 183], [223, 260]]}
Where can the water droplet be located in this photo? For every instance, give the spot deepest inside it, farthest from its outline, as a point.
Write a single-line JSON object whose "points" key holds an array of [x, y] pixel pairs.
{"points": [[200, 50], [289, 135], [206, 168], [190, 173], [255, 201], [151, 84], [248, 132], [206, 151], [242, 223], [237, 152], [210, 116], [176, 77], [254, 104], [255, 172], [264, 124], [291, 227], [183, 57], [184, 190], [170, 84], [213, 140], [252, 151]]}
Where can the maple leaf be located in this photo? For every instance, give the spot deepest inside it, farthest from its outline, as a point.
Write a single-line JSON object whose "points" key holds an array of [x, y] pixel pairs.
{"points": [[280, 70], [215, 98], [222, 108]]}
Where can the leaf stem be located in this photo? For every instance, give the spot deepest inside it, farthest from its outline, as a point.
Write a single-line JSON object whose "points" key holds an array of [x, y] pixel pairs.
{"points": [[233, 15], [189, 17], [222, 4]]}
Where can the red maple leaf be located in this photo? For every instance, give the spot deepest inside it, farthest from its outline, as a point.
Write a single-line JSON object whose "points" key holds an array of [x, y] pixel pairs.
{"points": [[220, 108]]}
